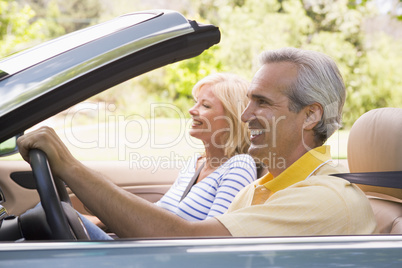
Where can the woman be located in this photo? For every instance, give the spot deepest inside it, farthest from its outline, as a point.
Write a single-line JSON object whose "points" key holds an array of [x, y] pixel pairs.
{"points": [[225, 168]]}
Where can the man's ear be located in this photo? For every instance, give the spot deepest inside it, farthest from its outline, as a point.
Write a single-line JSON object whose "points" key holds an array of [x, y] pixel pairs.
{"points": [[313, 115]]}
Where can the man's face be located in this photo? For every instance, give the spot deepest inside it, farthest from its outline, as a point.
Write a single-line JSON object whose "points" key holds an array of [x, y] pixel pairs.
{"points": [[276, 132]]}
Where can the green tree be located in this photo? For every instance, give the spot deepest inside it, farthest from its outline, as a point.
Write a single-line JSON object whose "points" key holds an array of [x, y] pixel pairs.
{"points": [[49, 12], [333, 27], [370, 62], [66, 16], [78, 14], [17, 31], [171, 84], [181, 77]]}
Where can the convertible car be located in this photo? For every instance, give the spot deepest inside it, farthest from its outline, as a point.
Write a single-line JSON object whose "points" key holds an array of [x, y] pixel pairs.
{"points": [[45, 80]]}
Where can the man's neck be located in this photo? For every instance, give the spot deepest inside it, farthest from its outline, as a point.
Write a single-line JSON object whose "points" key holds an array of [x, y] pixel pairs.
{"points": [[276, 169]]}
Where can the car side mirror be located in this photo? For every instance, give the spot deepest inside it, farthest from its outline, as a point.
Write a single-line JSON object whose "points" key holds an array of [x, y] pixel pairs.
{"points": [[9, 146]]}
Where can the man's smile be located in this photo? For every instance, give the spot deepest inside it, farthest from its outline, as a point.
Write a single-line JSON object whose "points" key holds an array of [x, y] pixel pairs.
{"points": [[255, 133]]}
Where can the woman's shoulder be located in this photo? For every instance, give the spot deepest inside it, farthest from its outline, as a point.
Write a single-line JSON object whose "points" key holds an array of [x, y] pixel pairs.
{"points": [[241, 160], [241, 166], [189, 165], [241, 157]]}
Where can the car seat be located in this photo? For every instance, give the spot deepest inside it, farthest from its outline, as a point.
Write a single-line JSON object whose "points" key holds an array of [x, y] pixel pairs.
{"points": [[375, 145]]}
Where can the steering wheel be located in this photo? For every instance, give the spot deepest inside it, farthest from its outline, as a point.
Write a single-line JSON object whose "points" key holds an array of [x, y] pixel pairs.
{"points": [[62, 219]]}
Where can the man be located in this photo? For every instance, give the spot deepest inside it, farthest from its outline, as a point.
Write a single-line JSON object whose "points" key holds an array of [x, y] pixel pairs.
{"points": [[295, 104]]}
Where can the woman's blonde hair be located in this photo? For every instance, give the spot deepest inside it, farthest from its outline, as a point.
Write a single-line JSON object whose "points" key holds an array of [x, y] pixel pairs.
{"points": [[231, 90]]}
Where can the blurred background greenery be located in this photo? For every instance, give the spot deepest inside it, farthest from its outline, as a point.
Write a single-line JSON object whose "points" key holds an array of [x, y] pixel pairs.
{"points": [[363, 36]]}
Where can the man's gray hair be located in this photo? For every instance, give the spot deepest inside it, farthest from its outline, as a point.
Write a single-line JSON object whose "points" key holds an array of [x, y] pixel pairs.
{"points": [[319, 80]]}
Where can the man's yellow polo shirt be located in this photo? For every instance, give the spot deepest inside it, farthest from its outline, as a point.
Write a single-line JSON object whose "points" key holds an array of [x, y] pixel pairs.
{"points": [[302, 200]]}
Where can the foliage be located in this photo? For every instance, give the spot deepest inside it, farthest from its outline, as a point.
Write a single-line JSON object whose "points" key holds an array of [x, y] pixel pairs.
{"points": [[78, 14], [396, 9], [16, 30], [378, 82], [66, 16], [168, 88], [370, 64], [27, 22], [182, 76], [370, 60]]}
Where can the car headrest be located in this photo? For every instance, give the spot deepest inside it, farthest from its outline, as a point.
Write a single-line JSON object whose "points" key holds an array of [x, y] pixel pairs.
{"points": [[375, 145]]}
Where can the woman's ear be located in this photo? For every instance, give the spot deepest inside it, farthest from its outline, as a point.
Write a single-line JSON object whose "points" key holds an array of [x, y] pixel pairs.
{"points": [[314, 113]]}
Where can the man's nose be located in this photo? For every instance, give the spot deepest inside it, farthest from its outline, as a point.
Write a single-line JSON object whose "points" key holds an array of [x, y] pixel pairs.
{"points": [[247, 114]]}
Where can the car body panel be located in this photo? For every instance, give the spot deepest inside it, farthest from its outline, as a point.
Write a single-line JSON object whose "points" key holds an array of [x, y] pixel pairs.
{"points": [[377, 251]]}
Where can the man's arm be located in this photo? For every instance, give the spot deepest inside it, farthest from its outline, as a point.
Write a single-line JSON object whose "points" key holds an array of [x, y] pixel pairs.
{"points": [[126, 214]]}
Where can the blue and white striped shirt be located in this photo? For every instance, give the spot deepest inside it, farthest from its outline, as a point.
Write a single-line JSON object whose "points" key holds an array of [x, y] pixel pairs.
{"points": [[213, 195]]}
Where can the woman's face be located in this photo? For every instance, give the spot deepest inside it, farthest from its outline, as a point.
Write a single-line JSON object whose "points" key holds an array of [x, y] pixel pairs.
{"points": [[209, 120]]}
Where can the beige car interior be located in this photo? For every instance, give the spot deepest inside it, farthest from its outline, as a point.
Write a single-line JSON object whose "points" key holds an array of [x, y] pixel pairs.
{"points": [[375, 145], [150, 183]]}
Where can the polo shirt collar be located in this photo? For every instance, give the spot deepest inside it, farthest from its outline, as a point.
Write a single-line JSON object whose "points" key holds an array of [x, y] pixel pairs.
{"points": [[299, 170]]}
